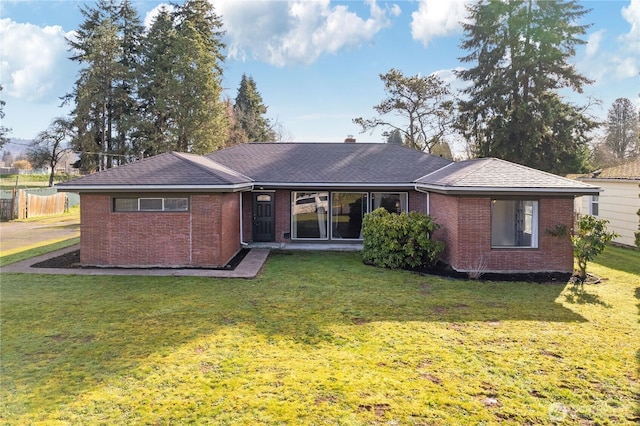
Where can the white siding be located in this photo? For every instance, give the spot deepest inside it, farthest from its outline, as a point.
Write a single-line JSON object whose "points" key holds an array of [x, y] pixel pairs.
{"points": [[619, 202]]}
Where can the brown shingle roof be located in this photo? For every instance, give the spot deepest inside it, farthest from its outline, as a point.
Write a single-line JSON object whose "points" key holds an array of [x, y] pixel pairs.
{"points": [[630, 171], [329, 163], [492, 174], [162, 171]]}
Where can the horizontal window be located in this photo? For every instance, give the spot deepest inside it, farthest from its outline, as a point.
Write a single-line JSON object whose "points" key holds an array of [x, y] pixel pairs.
{"points": [[312, 212], [151, 204]]}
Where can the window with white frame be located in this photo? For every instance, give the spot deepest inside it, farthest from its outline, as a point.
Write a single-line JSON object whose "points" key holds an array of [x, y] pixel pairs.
{"points": [[309, 215], [312, 212], [594, 206], [514, 223], [151, 204]]}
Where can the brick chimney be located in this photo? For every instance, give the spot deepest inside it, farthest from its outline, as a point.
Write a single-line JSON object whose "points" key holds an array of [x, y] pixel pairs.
{"points": [[350, 139]]}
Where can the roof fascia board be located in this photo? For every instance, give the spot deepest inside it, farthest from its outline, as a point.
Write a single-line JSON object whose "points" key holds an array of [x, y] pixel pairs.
{"points": [[325, 185], [599, 179], [506, 191], [156, 188]]}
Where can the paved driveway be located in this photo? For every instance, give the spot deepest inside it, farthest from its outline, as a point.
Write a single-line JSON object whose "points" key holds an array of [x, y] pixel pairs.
{"points": [[17, 235]]}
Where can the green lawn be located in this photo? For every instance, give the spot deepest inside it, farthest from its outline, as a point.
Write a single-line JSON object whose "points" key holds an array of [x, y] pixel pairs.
{"points": [[320, 338]]}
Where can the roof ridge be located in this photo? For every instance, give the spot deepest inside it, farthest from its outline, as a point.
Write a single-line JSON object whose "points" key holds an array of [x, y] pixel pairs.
{"points": [[183, 157], [435, 171], [522, 166]]}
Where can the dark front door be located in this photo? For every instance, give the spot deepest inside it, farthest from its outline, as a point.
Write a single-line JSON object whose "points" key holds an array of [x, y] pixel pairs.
{"points": [[263, 216]]}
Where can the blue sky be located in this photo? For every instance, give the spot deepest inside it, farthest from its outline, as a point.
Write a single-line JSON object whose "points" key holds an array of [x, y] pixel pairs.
{"points": [[316, 63]]}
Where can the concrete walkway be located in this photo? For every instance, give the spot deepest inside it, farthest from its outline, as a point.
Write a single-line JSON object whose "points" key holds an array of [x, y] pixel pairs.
{"points": [[249, 267], [21, 235]]}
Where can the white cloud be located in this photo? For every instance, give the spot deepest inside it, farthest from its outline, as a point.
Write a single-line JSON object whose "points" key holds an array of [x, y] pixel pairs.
{"points": [[593, 43], [33, 61], [151, 15], [298, 31], [627, 68], [437, 18], [631, 14]]}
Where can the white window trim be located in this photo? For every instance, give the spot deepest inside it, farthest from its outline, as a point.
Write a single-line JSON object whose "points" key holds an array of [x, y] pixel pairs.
{"points": [[534, 229], [140, 210], [329, 236]]}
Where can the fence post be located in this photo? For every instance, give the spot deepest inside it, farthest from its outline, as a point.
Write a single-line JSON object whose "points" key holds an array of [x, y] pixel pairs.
{"points": [[12, 212], [22, 204]]}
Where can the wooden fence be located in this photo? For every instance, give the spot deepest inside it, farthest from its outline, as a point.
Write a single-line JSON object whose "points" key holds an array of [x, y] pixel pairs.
{"points": [[42, 205], [23, 205]]}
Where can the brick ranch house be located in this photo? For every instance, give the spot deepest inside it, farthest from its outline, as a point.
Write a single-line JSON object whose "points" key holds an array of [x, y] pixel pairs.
{"points": [[185, 210]]}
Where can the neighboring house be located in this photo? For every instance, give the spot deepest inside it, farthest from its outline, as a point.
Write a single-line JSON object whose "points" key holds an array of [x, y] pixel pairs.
{"points": [[180, 210], [619, 200]]}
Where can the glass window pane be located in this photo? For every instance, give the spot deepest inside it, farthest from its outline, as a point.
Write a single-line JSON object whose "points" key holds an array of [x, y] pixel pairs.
{"points": [[392, 202], [176, 204], [595, 205], [514, 223], [125, 204], [310, 214], [347, 211], [150, 203]]}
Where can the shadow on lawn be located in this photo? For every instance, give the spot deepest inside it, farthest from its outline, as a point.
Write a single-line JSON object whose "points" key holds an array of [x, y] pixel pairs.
{"points": [[65, 336], [579, 295]]}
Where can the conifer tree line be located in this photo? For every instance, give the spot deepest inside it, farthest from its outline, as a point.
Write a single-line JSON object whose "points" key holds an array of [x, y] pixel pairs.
{"points": [[142, 93], [518, 54]]}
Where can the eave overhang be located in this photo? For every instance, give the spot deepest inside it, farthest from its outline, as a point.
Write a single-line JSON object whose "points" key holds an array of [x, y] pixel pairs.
{"points": [[482, 190], [332, 185], [157, 188]]}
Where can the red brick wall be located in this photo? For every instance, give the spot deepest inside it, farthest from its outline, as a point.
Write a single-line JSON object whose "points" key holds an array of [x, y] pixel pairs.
{"points": [[247, 216], [444, 210], [418, 201], [466, 231], [283, 216], [206, 236]]}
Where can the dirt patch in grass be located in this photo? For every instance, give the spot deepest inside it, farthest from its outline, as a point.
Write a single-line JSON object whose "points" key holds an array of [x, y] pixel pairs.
{"points": [[71, 260], [444, 270]]}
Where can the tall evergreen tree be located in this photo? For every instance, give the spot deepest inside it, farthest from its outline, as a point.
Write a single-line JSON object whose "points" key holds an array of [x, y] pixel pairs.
{"points": [[157, 89], [623, 125], [106, 45], [180, 87], [199, 114], [249, 111], [126, 108], [521, 51]]}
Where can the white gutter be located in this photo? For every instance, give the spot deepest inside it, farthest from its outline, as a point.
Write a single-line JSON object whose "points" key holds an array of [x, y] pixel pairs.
{"points": [[157, 188], [242, 242], [502, 190], [428, 198], [332, 185]]}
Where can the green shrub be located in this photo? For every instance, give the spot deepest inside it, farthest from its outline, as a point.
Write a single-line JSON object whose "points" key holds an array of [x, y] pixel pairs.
{"points": [[589, 240], [399, 240]]}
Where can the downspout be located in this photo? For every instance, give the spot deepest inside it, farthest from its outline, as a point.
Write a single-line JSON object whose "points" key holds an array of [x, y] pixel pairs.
{"points": [[242, 242], [415, 187]]}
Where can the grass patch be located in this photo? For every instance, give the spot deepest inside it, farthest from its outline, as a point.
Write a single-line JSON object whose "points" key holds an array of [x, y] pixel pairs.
{"points": [[318, 338], [8, 182], [8, 257]]}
